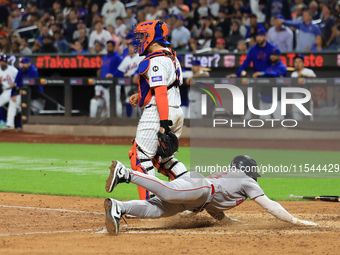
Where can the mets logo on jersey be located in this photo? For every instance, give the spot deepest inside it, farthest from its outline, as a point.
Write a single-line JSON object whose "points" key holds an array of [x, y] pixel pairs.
{"points": [[157, 78], [7, 78], [262, 55]]}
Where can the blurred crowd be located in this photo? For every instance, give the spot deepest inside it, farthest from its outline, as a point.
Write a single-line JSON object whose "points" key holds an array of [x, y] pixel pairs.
{"points": [[80, 27]]}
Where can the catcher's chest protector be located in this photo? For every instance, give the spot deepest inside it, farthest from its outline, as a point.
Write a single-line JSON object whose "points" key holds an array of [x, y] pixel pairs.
{"points": [[144, 90]]}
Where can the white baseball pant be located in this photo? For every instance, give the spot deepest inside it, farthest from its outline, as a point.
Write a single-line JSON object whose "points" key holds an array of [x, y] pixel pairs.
{"points": [[13, 108], [147, 140], [5, 97], [96, 104]]}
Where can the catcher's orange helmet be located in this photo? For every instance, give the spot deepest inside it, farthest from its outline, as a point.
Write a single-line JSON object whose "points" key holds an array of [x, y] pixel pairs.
{"points": [[148, 32]]}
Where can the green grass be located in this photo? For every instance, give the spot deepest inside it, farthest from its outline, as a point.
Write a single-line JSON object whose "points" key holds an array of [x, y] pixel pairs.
{"points": [[64, 169], [280, 189], [81, 170]]}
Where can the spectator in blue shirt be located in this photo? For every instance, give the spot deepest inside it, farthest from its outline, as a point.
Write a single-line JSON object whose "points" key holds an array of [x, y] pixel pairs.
{"points": [[254, 26], [125, 42], [60, 43], [276, 7], [82, 13], [111, 60], [328, 28], [281, 36], [276, 68], [28, 70], [78, 47], [307, 30], [44, 32], [180, 35], [320, 44], [259, 54]]}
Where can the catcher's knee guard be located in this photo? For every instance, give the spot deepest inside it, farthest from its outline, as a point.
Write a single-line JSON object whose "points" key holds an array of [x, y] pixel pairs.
{"points": [[171, 168], [136, 165]]}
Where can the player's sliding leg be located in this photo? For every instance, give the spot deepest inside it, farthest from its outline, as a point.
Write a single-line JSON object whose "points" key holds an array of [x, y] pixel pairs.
{"points": [[154, 208], [114, 210], [182, 194], [118, 174], [188, 188]]}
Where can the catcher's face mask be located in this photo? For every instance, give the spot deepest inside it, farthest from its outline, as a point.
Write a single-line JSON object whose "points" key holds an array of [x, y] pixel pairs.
{"points": [[148, 32]]}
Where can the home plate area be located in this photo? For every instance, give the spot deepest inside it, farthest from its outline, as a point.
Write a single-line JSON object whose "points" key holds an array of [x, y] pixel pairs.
{"points": [[32, 224]]}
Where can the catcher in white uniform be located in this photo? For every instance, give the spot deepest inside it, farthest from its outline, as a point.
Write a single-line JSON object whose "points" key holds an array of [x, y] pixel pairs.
{"points": [[192, 191], [7, 78], [160, 76]]}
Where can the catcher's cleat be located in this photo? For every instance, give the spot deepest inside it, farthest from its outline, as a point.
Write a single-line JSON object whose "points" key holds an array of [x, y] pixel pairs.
{"points": [[118, 174], [113, 211]]}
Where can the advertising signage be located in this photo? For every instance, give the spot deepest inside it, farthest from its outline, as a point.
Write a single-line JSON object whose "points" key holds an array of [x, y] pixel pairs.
{"points": [[312, 60], [213, 60]]}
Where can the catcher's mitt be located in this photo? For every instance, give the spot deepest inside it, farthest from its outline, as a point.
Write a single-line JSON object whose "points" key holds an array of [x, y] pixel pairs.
{"points": [[168, 144]]}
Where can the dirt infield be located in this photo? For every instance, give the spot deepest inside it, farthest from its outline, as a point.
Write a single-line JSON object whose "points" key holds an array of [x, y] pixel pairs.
{"points": [[38, 224]]}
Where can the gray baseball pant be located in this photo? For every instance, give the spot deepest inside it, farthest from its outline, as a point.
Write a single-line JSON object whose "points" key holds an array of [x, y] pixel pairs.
{"points": [[191, 191]]}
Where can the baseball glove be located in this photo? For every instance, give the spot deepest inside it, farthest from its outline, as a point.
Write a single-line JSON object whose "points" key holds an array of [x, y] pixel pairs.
{"points": [[167, 144]]}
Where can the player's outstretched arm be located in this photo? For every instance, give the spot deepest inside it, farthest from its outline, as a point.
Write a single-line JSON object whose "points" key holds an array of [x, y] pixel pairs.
{"points": [[279, 212]]}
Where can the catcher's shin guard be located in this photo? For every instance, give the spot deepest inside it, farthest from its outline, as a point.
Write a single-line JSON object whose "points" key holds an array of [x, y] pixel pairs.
{"points": [[136, 165]]}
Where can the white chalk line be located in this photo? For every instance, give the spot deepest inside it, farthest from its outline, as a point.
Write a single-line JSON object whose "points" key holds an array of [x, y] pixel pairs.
{"points": [[47, 232], [175, 232], [104, 231], [308, 232], [49, 209]]}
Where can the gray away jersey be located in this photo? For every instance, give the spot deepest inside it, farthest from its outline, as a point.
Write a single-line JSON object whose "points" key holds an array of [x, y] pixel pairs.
{"points": [[231, 189]]}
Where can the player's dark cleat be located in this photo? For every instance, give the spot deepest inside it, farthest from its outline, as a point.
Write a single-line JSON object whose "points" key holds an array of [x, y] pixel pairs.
{"points": [[118, 174], [113, 211]]}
